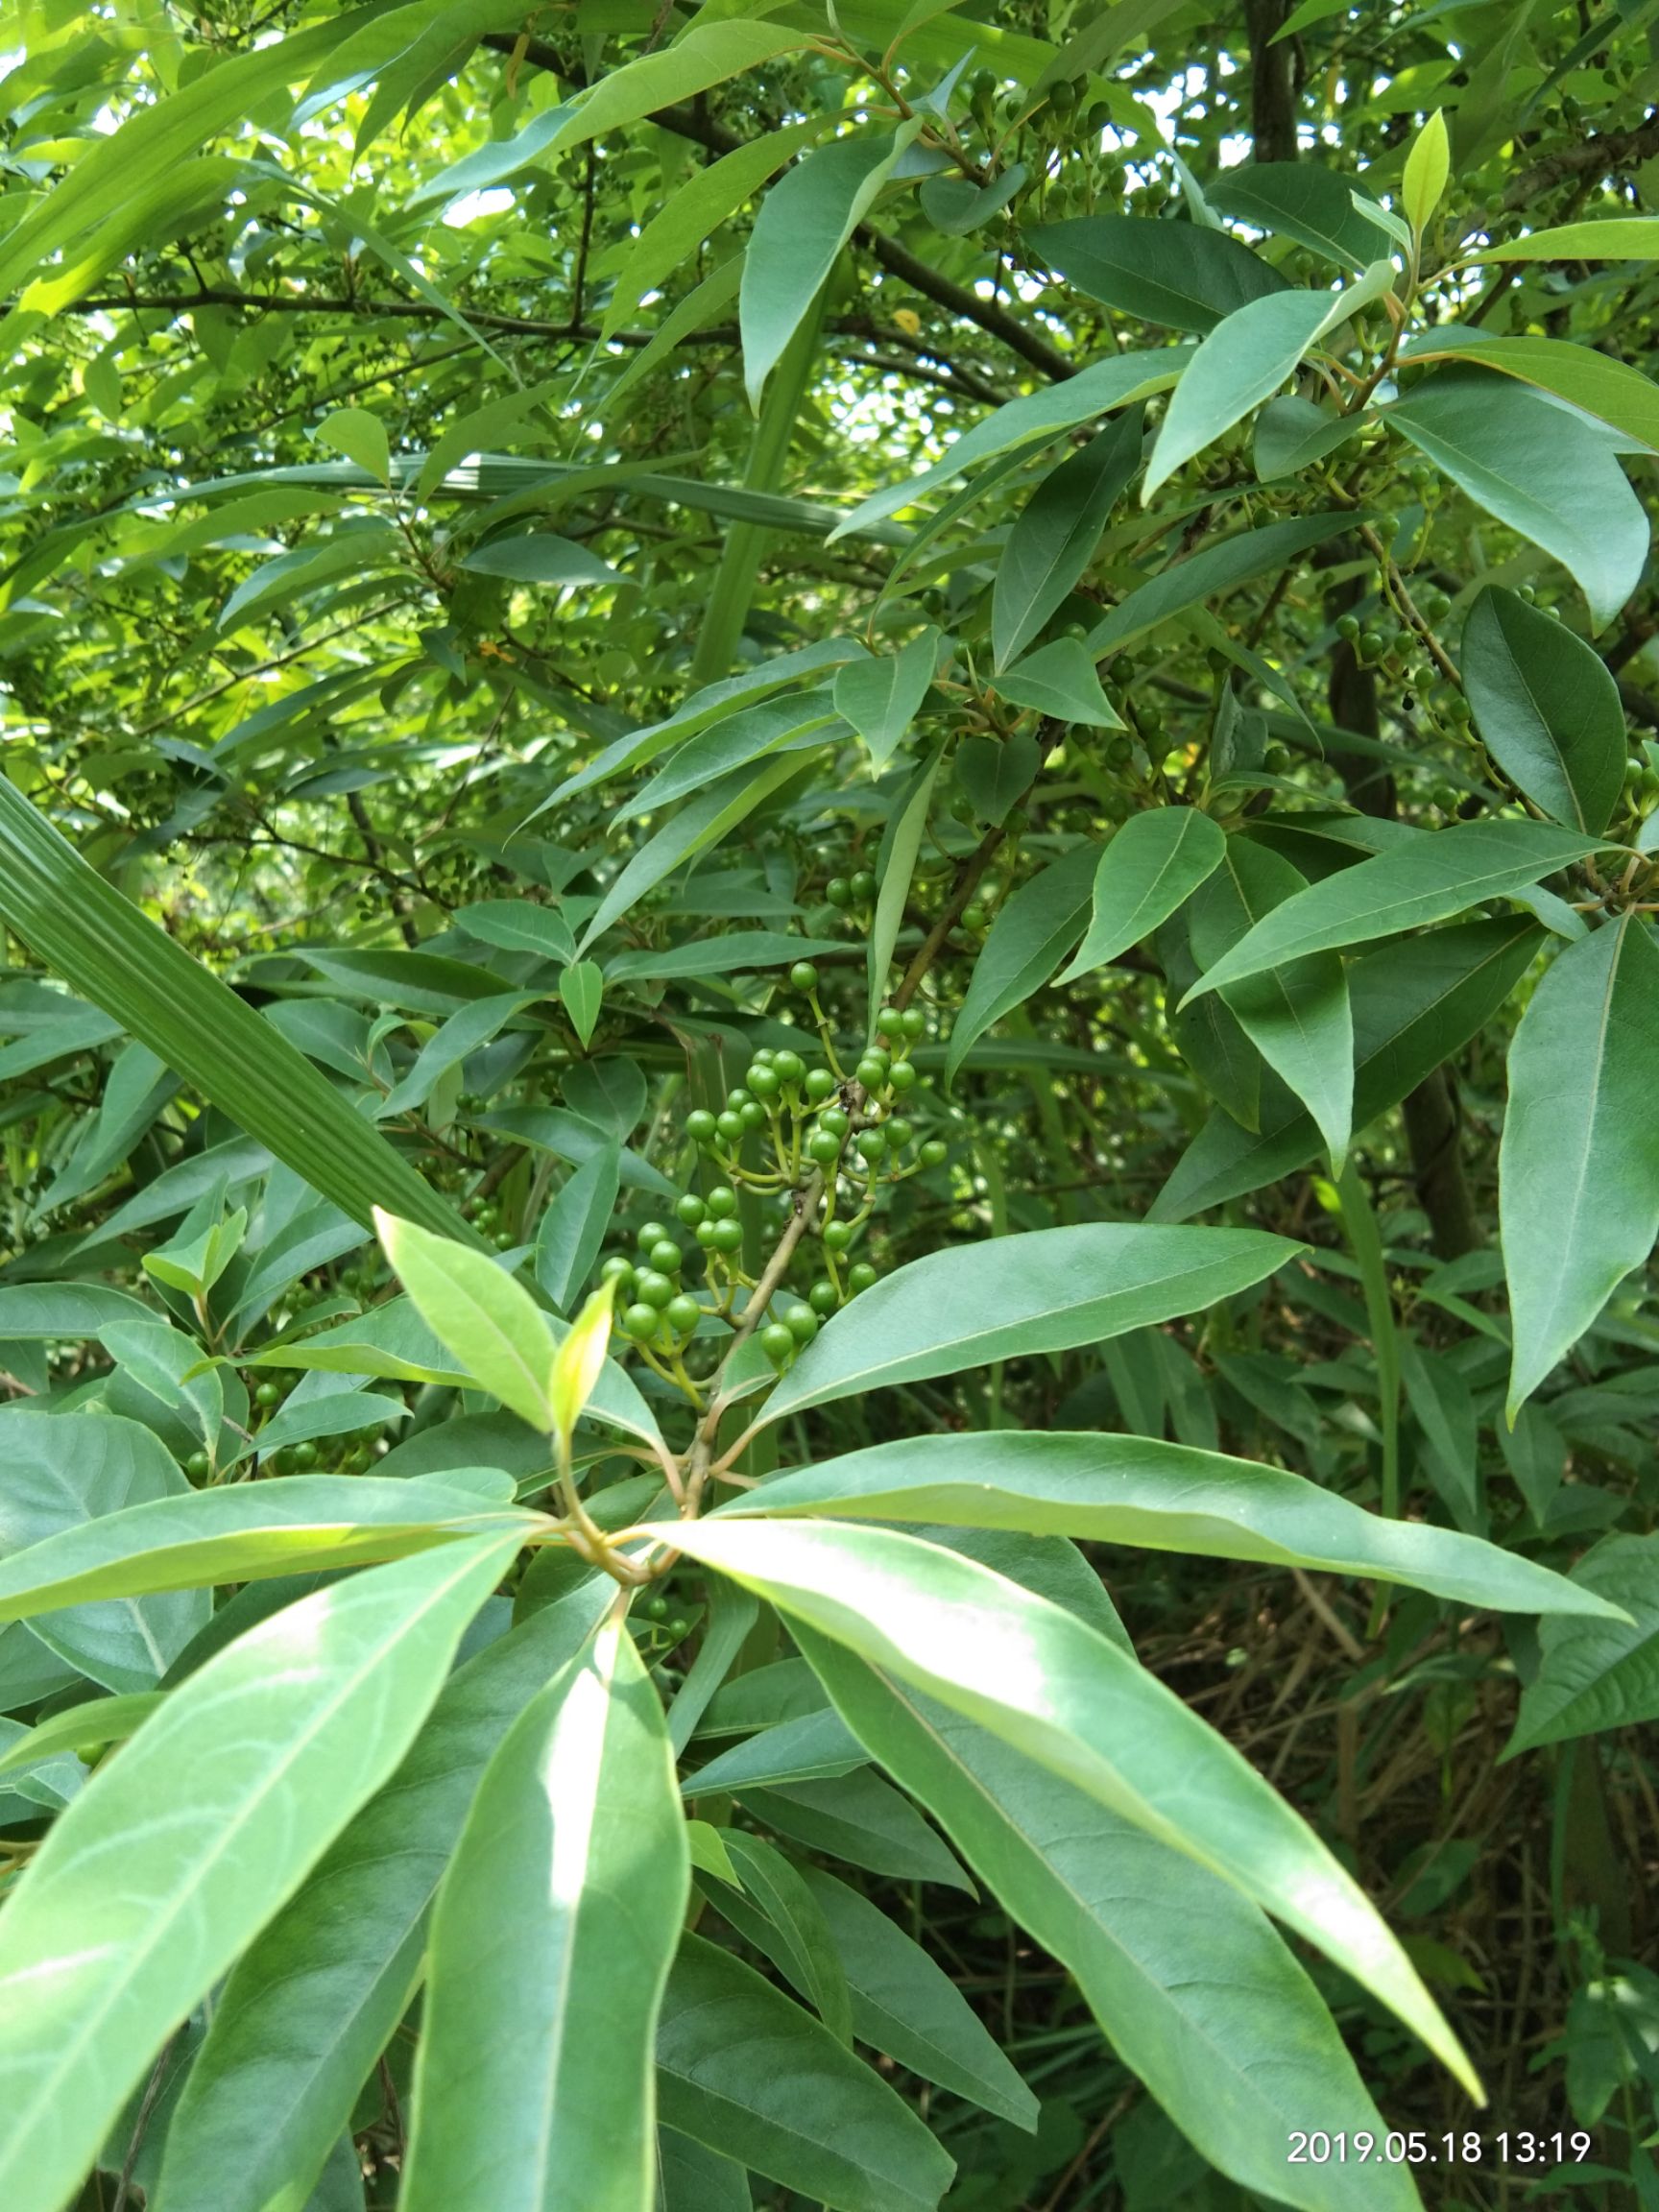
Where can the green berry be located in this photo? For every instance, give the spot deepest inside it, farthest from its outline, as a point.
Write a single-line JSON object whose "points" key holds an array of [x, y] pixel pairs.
{"points": [[651, 1234], [657, 1607], [267, 1394], [737, 1100], [777, 1343], [935, 1152], [902, 1076], [731, 1128], [861, 1276], [700, 1126], [974, 917], [305, 1454], [804, 975], [837, 1236], [802, 1323], [1372, 645], [752, 1116], [870, 1143], [667, 1258], [824, 1146], [679, 1628], [836, 1117], [1063, 97], [689, 1210], [871, 1073], [819, 1083], [683, 1313], [764, 1082], [641, 1323], [863, 887], [899, 1133], [824, 1298], [723, 1202], [1348, 626], [890, 1023], [913, 1022], [789, 1064], [704, 1235], [198, 1466], [728, 1236], [618, 1269], [654, 1288], [838, 891]]}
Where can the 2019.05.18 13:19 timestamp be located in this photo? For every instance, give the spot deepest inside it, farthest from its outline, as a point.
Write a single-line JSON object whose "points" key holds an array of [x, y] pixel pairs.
{"points": [[1464, 2147]]}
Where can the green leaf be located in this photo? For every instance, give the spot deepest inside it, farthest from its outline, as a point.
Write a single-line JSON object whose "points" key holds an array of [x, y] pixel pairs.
{"points": [[114, 955], [692, 2179], [1412, 884], [702, 203], [1206, 574], [581, 989], [475, 429], [179, 1539], [735, 741], [1070, 1699], [898, 868], [1292, 434], [217, 1810], [812, 1748], [1150, 867], [803, 222], [1161, 1497], [883, 695], [1044, 1291], [518, 925], [858, 1817], [1547, 707], [1184, 1974], [573, 1228], [744, 2071], [70, 1480], [1298, 1015], [1416, 1002], [1548, 477], [361, 437], [1619, 238], [1242, 360], [1599, 1674], [1029, 938], [1302, 201], [494, 1328], [579, 1363], [1596, 383], [789, 1926], [467, 1030], [1182, 275], [726, 955], [540, 558], [1059, 680], [1054, 537], [1578, 1170], [1036, 418], [703, 821], [98, 1721], [551, 1942], [319, 1991], [704, 56], [1428, 165]]}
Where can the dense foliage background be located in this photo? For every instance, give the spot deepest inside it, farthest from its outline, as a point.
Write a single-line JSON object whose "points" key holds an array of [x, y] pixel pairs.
{"points": [[963, 695]]}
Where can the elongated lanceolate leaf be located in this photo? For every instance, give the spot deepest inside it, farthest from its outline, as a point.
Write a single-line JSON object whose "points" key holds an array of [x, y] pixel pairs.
{"points": [[120, 959], [319, 1992], [1596, 1675], [551, 1942], [1182, 274], [1404, 888], [494, 1328], [1161, 1497], [1578, 1168], [244, 1532], [1155, 862], [214, 1812], [1072, 1701], [1054, 540], [1547, 707], [1240, 362], [1200, 1996], [1028, 940], [1040, 1291]]}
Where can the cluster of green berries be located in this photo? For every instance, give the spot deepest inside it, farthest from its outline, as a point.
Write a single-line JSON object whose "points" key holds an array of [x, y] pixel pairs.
{"points": [[655, 1306], [846, 892]]}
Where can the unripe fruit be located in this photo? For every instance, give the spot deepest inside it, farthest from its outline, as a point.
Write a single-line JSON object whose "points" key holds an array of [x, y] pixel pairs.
{"points": [[198, 1466], [654, 1290], [861, 1276], [837, 1118], [776, 1342], [870, 1143], [899, 1133], [818, 1084], [651, 1234], [737, 1100], [1348, 626], [824, 1146], [902, 1076], [802, 1323], [705, 1233], [863, 887], [824, 1298], [667, 1258], [683, 1313], [838, 891], [837, 1236], [305, 1454], [657, 1608], [764, 1082], [1063, 97], [726, 1237], [871, 1073], [752, 1116], [890, 1023], [689, 1208], [641, 1323], [267, 1394], [618, 1269], [934, 1153], [700, 1126], [913, 1022], [974, 917], [789, 1064], [731, 1128], [723, 1202], [804, 975]]}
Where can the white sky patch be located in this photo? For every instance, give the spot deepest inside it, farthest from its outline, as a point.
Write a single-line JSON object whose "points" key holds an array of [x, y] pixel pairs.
{"points": [[493, 200]]}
